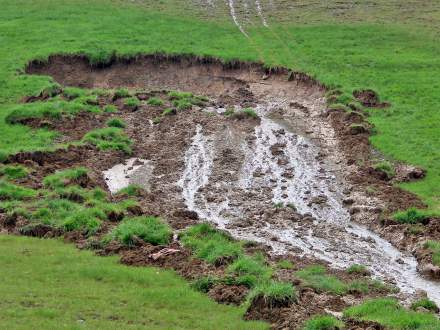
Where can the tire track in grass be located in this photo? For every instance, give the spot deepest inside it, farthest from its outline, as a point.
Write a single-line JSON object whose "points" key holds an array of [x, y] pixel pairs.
{"points": [[234, 17]]}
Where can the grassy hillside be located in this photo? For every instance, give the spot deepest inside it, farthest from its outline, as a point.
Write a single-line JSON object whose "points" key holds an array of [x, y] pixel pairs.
{"points": [[50, 285], [350, 49]]}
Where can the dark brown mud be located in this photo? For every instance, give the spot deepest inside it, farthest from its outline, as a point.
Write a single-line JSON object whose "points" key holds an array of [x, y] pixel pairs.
{"points": [[294, 100]]}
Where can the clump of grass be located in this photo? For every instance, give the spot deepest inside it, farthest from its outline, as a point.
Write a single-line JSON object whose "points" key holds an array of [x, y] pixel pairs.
{"points": [[284, 264], [209, 244], [250, 271], [155, 101], [274, 293], [66, 177], [54, 109], [168, 112], [411, 216], [110, 108], [250, 113], [389, 313], [116, 122], [74, 92], [131, 190], [88, 99], [183, 104], [317, 278], [416, 229], [110, 138], [385, 167], [278, 205], [176, 95], [149, 229], [357, 269], [324, 322], [229, 112], [121, 93], [426, 304], [87, 220], [156, 120], [100, 92], [358, 287], [380, 286], [185, 100], [132, 102], [434, 246], [13, 172], [204, 284], [9, 191], [244, 113]]}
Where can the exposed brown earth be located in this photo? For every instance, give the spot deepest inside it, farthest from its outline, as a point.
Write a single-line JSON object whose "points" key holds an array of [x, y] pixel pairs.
{"points": [[165, 144]]}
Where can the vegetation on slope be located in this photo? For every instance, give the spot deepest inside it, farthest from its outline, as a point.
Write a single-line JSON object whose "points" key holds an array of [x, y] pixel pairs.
{"points": [[56, 280], [399, 62]]}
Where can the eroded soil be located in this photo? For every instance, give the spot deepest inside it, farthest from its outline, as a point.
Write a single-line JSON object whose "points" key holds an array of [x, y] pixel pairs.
{"points": [[297, 178]]}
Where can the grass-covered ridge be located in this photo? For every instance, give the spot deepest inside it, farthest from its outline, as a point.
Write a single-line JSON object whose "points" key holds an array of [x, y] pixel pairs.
{"points": [[400, 62], [57, 279]]}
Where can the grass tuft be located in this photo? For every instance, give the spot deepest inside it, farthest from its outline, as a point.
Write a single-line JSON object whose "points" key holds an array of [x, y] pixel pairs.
{"points": [[72, 93], [426, 304], [209, 244], [168, 112], [116, 122], [132, 102], [325, 322], [204, 284], [155, 101], [110, 108], [385, 167], [121, 93], [250, 271], [317, 278], [66, 177], [110, 138], [149, 229], [9, 191], [411, 216], [434, 246], [274, 293], [13, 172], [390, 314], [131, 190], [284, 264], [357, 269]]}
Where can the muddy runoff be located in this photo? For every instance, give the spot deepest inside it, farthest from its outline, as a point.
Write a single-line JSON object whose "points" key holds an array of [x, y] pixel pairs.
{"points": [[278, 179]]}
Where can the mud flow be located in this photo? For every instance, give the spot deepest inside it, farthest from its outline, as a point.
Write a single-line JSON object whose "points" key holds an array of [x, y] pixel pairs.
{"points": [[278, 178]]}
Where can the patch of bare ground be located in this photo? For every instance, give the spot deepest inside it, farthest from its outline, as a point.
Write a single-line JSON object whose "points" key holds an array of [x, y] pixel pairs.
{"points": [[310, 152]]}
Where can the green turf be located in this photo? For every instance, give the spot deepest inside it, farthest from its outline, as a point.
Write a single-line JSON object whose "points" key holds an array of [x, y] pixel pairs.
{"points": [[390, 314], [399, 59], [50, 285]]}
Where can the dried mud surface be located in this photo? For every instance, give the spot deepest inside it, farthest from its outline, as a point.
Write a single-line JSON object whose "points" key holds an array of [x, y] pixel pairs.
{"points": [[291, 100]]}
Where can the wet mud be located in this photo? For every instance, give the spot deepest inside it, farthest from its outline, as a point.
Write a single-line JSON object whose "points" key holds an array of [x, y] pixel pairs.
{"points": [[293, 178]]}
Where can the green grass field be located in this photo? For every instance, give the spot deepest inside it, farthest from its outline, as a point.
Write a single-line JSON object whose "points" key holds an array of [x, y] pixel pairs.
{"points": [[50, 285]]}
